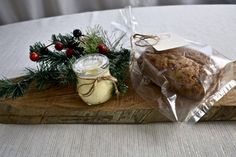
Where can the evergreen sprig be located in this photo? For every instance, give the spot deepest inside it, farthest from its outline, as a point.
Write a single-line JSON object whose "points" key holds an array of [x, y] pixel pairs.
{"points": [[46, 76], [93, 38], [119, 65], [96, 36], [55, 68], [11, 89]]}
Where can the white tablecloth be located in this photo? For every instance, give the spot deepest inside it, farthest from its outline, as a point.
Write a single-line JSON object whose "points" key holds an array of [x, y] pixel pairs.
{"points": [[215, 25], [18, 10]]}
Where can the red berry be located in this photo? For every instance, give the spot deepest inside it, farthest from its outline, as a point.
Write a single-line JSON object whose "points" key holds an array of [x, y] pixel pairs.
{"points": [[70, 52], [102, 48], [59, 46], [34, 56]]}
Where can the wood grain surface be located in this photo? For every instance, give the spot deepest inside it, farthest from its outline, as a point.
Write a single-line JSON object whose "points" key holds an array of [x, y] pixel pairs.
{"points": [[63, 105]]}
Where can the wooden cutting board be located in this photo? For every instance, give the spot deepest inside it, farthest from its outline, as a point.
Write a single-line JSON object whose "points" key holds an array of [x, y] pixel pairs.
{"points": [[63, 105]]}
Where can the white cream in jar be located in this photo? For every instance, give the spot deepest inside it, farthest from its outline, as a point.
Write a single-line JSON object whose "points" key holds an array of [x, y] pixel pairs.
{"points": [[95, 83]]}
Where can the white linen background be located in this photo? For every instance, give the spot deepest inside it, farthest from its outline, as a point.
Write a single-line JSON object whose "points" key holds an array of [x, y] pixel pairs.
{"points": [[215, 25], [20, 10]]}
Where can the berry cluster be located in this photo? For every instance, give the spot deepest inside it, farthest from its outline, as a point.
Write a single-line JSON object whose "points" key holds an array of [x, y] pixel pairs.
{"points": [[70, 46]]}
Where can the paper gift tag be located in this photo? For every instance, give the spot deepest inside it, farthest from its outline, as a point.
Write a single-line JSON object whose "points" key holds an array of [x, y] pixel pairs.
{"points": [[169, 41]]}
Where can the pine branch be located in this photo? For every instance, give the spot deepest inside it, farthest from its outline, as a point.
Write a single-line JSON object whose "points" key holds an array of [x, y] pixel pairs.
{"points": [[11, 89], [54, 58], [65, 39], [43, 77], [92, 39], [37, 47], [55, 68], [96, 36], [119, 65], [48, 75]]}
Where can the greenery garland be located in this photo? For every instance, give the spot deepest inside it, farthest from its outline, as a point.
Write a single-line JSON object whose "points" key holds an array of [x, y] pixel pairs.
{"points": [[55, 64]]}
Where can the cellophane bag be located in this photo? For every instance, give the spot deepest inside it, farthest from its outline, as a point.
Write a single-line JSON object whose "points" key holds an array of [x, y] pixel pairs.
{"points": [[184, 81]]}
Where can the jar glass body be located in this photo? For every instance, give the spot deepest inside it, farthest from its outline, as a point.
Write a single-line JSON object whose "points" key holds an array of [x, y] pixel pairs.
{"points": [[91, 86]]}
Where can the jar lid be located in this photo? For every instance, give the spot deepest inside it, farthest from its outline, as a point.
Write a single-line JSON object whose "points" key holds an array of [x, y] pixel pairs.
{"points": [[90, 66]]}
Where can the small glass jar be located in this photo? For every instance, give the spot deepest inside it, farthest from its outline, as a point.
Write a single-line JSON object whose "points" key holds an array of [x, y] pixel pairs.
{"points": [[91, 71]]}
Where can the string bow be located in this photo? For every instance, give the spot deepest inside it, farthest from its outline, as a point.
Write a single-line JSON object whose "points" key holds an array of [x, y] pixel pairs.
{"points": [[94, 83]]}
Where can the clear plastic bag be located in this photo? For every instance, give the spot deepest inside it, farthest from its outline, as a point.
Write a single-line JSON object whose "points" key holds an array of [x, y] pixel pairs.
{"points": [[198, 78], [191, 78]]}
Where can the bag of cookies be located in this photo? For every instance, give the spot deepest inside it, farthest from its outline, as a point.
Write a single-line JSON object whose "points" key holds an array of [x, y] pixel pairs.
{"points": [[184, 78]]}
